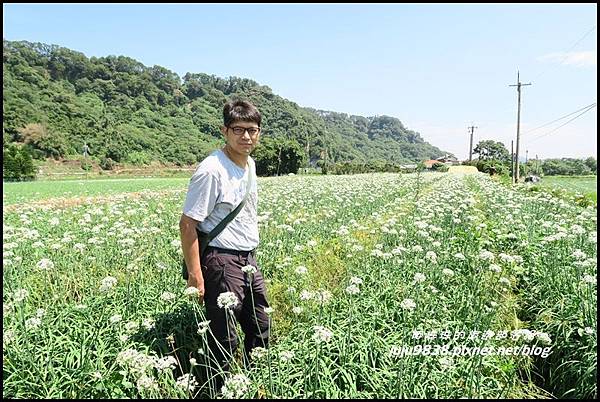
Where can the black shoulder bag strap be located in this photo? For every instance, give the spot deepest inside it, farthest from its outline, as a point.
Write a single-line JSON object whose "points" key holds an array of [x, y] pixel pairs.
{"points": [[219, 228], [204, 238]]}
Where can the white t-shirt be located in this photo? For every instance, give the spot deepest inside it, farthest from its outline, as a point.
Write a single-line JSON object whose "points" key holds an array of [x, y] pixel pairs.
{"points": [[216, 188]]}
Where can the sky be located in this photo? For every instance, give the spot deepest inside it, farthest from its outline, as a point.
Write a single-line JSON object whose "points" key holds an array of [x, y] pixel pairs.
{"points": [[438, 68]]}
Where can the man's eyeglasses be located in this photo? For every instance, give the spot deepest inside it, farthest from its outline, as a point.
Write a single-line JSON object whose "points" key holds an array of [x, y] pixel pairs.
{"points": [[252, 131]]}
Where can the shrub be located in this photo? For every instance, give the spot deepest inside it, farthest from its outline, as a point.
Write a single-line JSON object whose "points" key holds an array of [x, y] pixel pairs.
{"points": [[139, 158], [86, 165], [439, 167], [107, 163], [492, 166], [17, 164]]}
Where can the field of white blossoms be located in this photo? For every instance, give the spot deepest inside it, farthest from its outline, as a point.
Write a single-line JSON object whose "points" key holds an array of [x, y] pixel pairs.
{"points": [[381, 285]]}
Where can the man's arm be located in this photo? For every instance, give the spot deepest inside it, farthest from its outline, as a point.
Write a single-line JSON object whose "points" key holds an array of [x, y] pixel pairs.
{"points": [[189, 246]]}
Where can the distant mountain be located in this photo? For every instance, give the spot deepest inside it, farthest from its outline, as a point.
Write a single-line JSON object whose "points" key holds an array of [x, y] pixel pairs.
{"points": [[57, 100]]}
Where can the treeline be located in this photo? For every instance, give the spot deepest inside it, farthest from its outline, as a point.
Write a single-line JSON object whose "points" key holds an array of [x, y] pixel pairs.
{"points": [[563, 166], [56, 101], [493, 157]]}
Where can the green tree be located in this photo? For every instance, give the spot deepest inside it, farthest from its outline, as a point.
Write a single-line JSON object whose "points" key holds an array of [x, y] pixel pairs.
{"points": [[493, 166], [490, 149], [591, 164], [567, 167], [278, 156], [17, 163]]}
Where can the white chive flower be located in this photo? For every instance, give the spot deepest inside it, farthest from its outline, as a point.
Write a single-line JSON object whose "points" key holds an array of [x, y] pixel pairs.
{"points": [[227, 300], [20, 295], [543, 337], [148, 323], [589, 279], [32, 323], [355, 280], [431, 256], [235, 387], [146, 383], [486, 255], [187, 382], [258, 353], [191, 291], [45, 264], [203, 327], [306, 295], [321, 334], [408, 304], [115, 318], [352, 289], [167, 296], [286, 355], [165, 363], [460, 256], [448, 272], [323, 296], [495, 268], [108, 283]]}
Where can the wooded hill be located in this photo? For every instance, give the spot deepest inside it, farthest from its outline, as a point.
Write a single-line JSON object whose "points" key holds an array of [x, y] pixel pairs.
{"points": [[57, 99]]}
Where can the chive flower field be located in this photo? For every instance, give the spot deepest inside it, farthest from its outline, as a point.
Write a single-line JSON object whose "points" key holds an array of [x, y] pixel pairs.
{"points": [[424, 285]]}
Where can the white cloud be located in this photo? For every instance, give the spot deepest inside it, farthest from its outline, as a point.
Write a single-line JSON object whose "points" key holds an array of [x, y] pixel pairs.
{"points": [[578, 59]]}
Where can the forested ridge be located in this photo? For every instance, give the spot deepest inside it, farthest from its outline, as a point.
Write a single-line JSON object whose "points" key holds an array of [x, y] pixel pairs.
{"points": [[55, 100]]}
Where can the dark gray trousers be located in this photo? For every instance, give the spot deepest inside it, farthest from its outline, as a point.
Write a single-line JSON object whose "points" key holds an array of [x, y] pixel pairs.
{"points": [[222, 272]]}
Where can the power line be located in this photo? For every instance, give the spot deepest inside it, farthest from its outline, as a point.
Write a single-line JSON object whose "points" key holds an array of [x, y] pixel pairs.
{"points": [[562, 125], [566, 53], [560, 118]]}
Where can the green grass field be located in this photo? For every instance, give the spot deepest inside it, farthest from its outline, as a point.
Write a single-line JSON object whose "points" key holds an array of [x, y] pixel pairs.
{"points": [[574, 185], [17, 193]]}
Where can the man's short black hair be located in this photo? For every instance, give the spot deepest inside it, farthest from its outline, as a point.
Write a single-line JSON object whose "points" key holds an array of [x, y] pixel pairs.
{"points": [[240, 110]]}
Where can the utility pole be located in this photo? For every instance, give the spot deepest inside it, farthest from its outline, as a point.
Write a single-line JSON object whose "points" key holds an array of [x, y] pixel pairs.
{"points": [[518, 85], [278, 160], [471, 143], [526, 155], [512, 161]]}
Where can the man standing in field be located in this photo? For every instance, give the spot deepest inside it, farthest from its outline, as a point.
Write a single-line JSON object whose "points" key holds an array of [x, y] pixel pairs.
{"points": [[216, 188]]}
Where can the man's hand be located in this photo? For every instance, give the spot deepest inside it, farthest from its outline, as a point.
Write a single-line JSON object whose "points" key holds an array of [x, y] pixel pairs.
{"points": [[189, 246], [197, 281]]}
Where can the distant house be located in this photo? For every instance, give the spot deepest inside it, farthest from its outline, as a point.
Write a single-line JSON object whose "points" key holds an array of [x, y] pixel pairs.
{"points": [[448, 160], [408, 167], [429, 163]]}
